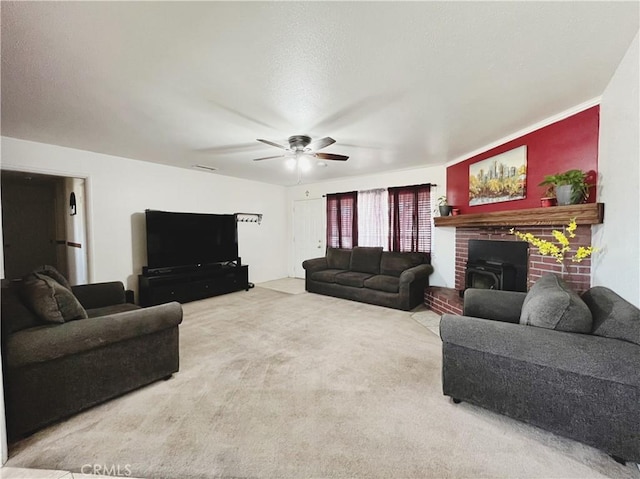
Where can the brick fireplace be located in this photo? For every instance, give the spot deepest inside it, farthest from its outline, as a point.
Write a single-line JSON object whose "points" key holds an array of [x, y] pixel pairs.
{"points": [[578, 275]]}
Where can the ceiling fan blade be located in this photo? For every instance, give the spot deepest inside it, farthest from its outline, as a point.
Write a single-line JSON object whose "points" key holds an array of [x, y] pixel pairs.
{"points": [[331, 156], [270, 157], [355, 145], [321, 143], [273, 144], [239, 148]]}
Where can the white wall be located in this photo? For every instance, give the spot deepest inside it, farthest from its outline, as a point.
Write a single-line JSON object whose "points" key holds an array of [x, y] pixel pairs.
{"points": [[76, 232], [617, 266], [4, 450], [118, 190], [443, 247]]}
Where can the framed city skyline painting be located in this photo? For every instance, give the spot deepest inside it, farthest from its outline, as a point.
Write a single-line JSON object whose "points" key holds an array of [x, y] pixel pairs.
{"points": [[500, 178]]}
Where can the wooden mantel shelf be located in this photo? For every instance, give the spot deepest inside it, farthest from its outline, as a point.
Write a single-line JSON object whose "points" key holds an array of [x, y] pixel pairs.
{"points": [[586, 214]]}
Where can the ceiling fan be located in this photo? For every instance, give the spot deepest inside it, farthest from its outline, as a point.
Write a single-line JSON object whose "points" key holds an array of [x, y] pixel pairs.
{"points": [[301, 145]]}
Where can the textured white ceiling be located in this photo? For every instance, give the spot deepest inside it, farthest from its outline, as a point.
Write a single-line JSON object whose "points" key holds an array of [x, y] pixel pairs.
{"points": [[398, 85]]}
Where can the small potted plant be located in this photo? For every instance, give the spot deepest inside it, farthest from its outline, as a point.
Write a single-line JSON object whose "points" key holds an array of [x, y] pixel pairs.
{"points": [[549, 197], [570, 187], [444, 206]]}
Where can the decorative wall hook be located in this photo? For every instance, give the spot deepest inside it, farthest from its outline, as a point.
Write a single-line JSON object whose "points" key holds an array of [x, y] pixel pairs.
{"points": [[72, 204]]}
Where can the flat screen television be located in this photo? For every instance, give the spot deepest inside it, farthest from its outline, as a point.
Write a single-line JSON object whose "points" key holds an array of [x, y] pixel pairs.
{"points": [[190, 239]]}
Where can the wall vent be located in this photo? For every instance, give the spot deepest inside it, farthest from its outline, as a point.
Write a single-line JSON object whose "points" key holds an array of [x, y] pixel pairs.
{"points": [[204, 168]]}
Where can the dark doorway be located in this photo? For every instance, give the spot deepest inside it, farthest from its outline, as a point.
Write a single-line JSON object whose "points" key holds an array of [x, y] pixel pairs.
{"points": [[31, 229]]}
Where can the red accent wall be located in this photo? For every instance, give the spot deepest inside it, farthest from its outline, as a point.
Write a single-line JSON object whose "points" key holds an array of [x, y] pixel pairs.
{"points": [[568, 144]]}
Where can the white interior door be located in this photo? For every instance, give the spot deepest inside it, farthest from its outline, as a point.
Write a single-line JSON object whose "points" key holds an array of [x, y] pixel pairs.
{"points": [[308, 232]]}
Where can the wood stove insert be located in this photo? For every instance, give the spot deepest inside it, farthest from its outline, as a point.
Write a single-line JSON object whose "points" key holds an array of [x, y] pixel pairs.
{"points": [[497, 265]]}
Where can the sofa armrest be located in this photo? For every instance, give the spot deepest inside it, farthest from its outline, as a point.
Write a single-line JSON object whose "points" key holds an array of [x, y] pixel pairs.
{"points": [[315, 264], [45, 343], [491, 304], [585, 354], [417, 272], [99, 295]]}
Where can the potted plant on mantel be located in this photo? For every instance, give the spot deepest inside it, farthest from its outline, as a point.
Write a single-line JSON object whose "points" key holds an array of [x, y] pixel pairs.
{"points": [[549, 197], [570, 187], [444, 206]]}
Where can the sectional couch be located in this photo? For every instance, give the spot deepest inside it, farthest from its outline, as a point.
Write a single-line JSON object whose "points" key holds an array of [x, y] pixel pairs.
{"points": [[370, 275]]}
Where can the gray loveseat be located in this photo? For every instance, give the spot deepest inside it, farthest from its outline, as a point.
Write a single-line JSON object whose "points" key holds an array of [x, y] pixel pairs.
{"points": [[370, 275], [516, 354], [56, 367]]}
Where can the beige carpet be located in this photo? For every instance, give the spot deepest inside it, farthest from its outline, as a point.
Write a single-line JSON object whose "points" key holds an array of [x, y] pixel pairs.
{"points": [[285, 285], [295, 386]]}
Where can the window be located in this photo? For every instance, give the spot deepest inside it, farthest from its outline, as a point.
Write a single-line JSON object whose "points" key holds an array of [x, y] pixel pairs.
{"points": [[410, 218], [373, 218], [342, 220], [398, 219]]}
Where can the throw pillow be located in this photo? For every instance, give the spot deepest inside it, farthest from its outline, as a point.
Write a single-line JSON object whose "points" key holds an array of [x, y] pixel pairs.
{"points": [[15, 314], [338, 258], [55, 274], [49, 300], [552, 304], [613, 317]]}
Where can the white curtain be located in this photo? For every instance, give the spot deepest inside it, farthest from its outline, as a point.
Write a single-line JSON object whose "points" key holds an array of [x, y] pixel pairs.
{"points": [[373, 218]]}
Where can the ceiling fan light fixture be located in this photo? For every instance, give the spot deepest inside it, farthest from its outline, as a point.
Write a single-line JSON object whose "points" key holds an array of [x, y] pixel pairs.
{"points": [[302, 154], [304, 163], [290, 163]]}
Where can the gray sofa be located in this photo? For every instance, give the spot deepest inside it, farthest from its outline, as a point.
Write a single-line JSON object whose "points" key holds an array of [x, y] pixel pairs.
{"points": [[79, 356], [370, 275], [567, 364]]}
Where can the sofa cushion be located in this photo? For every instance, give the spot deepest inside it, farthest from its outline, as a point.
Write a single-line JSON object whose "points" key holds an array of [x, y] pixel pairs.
{"points": [[326, 275], [366, 259], [352, 278], [98, 295], [552, 304], [381, 282], [338, 258], [49, 300], [393, 263], [613, 317]]}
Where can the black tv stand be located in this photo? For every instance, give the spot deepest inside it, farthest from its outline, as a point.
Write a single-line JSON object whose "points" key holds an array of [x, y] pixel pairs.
{"points": [[191, 284]]}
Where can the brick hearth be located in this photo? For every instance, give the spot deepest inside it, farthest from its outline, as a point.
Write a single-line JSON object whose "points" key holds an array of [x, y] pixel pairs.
{"points": [[578, 275], [443, 300]]}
